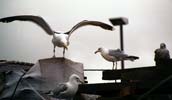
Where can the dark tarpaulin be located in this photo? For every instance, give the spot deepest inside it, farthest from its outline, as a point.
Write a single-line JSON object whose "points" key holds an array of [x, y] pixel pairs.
{"points": [[40, 79]]}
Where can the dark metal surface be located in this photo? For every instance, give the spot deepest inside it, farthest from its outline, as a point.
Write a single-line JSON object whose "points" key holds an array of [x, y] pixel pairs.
{"points": [[127, 74], [119, 21], [122, 44], [104, 89]]}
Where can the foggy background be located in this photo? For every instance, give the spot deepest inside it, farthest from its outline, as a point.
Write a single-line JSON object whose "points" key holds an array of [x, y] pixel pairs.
{"points": [[150, 23]]}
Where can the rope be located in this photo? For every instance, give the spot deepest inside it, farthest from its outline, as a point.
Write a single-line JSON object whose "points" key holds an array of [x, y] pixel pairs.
{"points": [[20, 79]]}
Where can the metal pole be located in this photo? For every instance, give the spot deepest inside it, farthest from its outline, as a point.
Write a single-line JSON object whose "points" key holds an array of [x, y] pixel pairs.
{"points": [[122, 44]]}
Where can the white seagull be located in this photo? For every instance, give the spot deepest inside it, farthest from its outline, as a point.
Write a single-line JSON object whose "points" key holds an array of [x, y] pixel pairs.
{"points": [[115, 55], [59, 39], [66, 90]]}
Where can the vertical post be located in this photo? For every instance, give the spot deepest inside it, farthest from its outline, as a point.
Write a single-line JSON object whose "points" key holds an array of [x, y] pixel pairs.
{"points": [[121, 44], [120, 22]]}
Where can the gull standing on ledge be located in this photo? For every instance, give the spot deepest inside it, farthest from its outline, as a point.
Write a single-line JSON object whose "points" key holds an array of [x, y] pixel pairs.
{"points": [[115, 55], [59, 39], [66, 90]]}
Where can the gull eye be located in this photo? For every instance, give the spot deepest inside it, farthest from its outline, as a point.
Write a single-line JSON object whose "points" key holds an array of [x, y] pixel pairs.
{"points": [[77, 78]]}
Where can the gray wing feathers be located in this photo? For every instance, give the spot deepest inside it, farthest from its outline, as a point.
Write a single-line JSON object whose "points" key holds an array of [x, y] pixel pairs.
{"points": [[117, 53], [59, 88], [121, 55], [36, 19], [94, 23]]}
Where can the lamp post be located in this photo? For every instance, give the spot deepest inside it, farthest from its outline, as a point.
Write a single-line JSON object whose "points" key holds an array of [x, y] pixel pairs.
{"points": [[120, 22]]}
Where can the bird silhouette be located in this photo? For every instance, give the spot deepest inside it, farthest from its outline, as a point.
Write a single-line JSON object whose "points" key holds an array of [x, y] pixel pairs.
{"points": [[162, 53], [66, 90], [59, 39], [115, 55]]}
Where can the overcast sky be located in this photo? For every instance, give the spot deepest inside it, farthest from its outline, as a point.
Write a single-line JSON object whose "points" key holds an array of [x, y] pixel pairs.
{"points": [[150, 23]]}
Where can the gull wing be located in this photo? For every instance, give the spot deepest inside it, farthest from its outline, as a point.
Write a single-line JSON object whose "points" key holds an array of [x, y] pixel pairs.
{"points": [[117, 53], [59, 88], [93, 23], [36, 19], [120, 55]]}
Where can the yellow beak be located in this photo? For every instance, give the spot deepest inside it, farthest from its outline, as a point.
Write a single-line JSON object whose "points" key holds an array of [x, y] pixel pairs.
{"points": [[65, 46]]}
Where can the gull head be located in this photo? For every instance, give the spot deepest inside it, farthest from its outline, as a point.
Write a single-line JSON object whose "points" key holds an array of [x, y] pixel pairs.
{"points": [[75, 78], [98, 50]]}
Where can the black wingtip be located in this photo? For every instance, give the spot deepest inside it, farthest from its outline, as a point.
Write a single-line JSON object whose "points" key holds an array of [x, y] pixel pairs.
{"points": [[133, 57], [4, 20], [112, 28], [1, 20], [109, 28]]}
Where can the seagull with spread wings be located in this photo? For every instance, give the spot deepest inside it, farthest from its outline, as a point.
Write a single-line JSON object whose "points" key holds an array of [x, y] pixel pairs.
{"points": [[59, 39], [114, 55]]}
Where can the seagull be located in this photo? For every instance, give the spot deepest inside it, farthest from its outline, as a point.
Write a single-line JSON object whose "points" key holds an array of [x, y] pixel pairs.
{"points": [[115, 55], [66, 90], [59, 39]]}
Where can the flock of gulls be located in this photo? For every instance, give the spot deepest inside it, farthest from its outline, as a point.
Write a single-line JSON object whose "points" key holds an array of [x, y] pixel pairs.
{"points": [[68, 90], [62, 39]]}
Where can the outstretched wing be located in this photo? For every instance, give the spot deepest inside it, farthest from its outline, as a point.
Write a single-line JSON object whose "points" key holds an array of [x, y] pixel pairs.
{"points": [[94, 23], [36, 19]]}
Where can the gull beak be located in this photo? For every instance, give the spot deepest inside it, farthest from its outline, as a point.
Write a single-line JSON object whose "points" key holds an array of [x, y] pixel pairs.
{"points": [[65, 46], [96, 51], [81, 82]]}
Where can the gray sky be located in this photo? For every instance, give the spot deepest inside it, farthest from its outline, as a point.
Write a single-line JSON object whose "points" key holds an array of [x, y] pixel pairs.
{"points": [[150, 24]]}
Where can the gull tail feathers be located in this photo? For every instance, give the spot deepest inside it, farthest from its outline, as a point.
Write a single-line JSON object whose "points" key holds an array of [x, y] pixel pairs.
{"points": [[132, 58]]}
